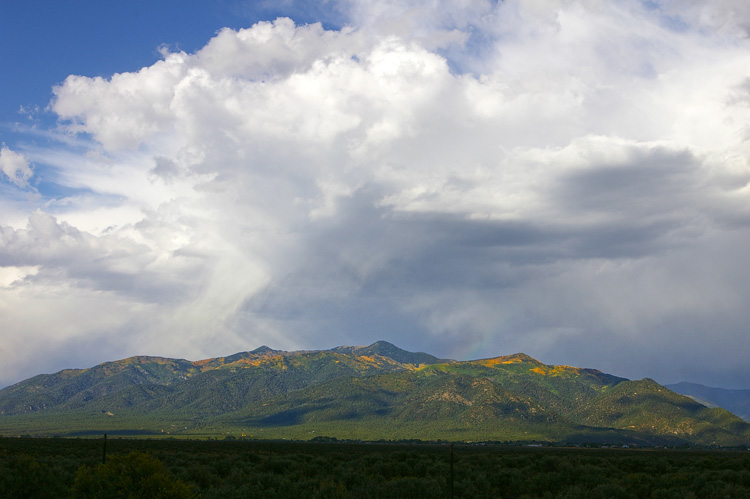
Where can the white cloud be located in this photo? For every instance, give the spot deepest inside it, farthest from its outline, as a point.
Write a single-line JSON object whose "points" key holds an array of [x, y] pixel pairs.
{"points": [[123, 110], [482, 176], [725, 17], [15, 167]]}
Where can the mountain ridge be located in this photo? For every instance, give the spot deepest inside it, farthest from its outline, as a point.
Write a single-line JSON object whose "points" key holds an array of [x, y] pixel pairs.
{"points": [[735, 401], [366, 392]]}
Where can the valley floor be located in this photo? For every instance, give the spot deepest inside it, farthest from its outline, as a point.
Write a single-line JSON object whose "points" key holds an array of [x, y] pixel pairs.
{"points": [[36, 467]]}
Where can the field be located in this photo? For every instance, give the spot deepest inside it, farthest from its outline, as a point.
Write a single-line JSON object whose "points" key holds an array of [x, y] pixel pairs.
{"points": [[31, 467]]}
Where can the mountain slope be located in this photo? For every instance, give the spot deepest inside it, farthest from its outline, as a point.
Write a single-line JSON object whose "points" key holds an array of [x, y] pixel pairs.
{"points": [[505, 398], [213, 385], [408, 404], [735, 401], [78, 386], [365, 392], [647, 407]]}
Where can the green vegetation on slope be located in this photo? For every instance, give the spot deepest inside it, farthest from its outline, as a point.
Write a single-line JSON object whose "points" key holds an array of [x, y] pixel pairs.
{"points": [[373, 392]]}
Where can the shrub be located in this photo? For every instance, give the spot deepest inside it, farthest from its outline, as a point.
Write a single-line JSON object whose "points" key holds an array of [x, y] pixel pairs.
{"points": [[26, 477], [137, 475]]}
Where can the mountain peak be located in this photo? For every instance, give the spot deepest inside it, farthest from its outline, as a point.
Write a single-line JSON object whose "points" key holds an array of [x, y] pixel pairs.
{"points": [[262, 350], [385, 349], [382, 347], [519, 357], [516, 358], [391, 351]]}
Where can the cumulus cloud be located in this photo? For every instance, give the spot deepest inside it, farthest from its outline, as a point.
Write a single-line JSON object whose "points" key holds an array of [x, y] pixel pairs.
{"points": [[564, 178]]}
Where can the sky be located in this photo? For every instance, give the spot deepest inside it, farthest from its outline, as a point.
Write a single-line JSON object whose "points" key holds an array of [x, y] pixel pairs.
{"points": [[565, 178]]}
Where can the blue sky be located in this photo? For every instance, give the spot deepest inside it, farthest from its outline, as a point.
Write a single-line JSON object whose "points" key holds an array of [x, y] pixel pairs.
{"points": [[42, 42], [562, 178]]}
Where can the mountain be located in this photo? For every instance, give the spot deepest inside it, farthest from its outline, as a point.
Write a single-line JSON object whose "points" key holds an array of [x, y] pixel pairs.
{"points": [[735, 401], [213, 385], [362, 392]]}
